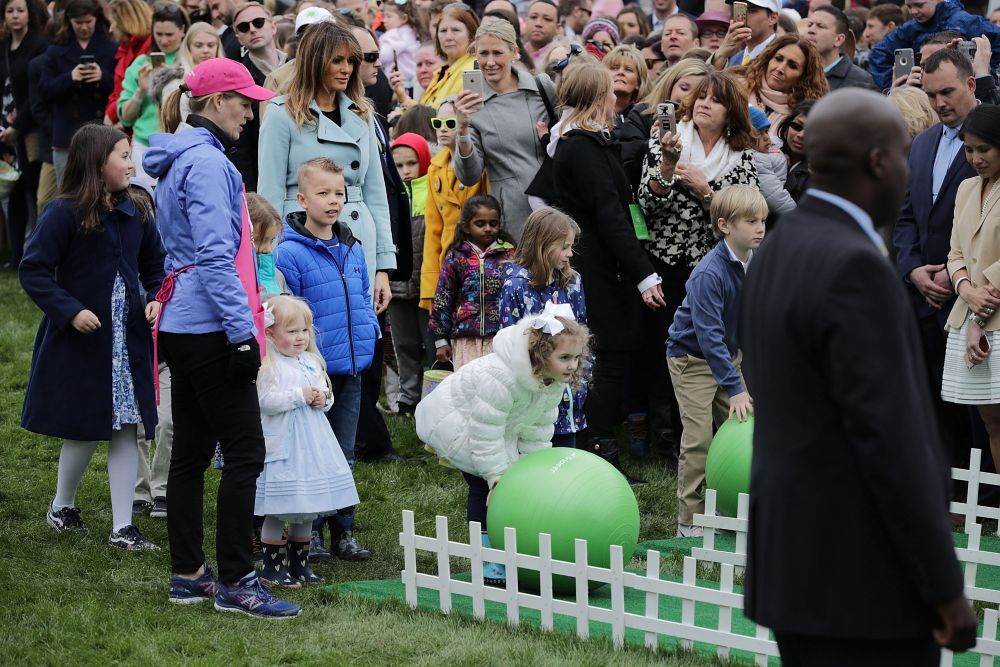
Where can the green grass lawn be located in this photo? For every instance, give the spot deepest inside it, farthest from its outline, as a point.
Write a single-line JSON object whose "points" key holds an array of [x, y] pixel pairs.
{"points": [[76, 601]]}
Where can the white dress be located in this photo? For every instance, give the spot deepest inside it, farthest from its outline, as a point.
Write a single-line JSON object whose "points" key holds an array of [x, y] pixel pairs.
{"points": [[305, 473]]}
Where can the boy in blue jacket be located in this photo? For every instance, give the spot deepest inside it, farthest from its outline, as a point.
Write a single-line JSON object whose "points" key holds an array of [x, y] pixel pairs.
{"points": [[702, 350], [929, 18], [324, 264]]}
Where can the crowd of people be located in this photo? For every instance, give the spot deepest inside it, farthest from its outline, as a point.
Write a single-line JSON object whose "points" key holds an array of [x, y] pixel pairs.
{"points": [[255, 217]]}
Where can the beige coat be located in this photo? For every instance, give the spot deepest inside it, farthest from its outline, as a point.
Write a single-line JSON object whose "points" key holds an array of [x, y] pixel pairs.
{"points": [[975, 246]]}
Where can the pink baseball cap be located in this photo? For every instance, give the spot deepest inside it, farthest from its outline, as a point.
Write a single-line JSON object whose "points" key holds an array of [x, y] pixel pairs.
{"points": [[222, 75]]}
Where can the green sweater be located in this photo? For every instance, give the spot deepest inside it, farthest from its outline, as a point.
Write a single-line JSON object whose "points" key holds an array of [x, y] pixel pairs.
{"points": [[148, 121]]}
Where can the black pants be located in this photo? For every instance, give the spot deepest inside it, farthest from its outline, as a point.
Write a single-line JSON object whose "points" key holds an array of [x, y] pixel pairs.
{"points": [[209, 408], [475, 506], [605, 407], [803, 651], [373, 435], [21, 210]]}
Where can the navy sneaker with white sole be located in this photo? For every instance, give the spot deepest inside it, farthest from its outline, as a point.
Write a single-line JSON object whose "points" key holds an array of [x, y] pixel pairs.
{"points": [[131, 538], [66, 520], [192, 591], [251, 597]]}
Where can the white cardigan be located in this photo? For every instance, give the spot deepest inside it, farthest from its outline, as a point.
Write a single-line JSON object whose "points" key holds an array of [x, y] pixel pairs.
{"points": [[279, 391]]}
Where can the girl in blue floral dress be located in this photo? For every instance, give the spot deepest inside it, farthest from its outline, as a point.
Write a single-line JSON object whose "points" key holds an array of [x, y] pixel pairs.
{"points": [[538, 273], [93, 266]]}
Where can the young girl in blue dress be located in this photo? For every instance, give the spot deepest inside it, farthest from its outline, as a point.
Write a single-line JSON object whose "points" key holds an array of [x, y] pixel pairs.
{"points": [[93, 267], [306, 475], [538, 273]]}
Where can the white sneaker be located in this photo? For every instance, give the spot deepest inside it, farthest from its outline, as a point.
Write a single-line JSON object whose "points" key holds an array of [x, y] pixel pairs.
{"points": [[684, 530]]}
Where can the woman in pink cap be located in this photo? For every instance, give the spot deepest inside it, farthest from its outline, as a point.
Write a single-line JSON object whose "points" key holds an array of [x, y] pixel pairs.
{"points": [[208, 330]]}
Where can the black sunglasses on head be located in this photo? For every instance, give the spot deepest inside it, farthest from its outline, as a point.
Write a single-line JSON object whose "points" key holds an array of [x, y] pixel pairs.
{"points": [[244, 26], [574, 50]]}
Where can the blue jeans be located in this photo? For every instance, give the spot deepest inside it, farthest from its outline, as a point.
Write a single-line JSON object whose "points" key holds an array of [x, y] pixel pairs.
{"points": [[343, 418]]}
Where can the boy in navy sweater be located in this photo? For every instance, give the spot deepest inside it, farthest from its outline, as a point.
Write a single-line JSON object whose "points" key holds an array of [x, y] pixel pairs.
{"points": [[702, 351]]}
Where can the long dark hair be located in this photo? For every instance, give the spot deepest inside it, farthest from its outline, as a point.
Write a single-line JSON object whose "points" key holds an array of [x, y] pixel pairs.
{"points": [[83, 181], [469, 209], [38, 14], [76, 9], [801, 109]]}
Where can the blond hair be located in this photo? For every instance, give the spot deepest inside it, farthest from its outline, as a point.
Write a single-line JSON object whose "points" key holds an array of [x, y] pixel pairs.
{"points": [[915, 106], [170, 111], [630, 54], [285, 307], [583, 89], [544, 233], [323, 164], [541, 346], [197, 29], [493, 26], [735, 203], [319, 44], [131, 18], [664, 85], [263, 218]]}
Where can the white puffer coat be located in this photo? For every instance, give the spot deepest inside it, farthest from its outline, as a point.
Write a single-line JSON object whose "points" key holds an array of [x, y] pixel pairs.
{"points": [[492, 410]]}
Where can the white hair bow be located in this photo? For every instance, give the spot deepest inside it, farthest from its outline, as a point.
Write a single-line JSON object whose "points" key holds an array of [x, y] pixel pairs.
{"points": [[547, 322], [268, 314]]}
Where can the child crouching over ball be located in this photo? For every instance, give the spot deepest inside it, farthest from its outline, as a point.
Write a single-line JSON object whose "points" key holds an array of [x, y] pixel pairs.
{"points": [[702, 351], [306, 475], [498, 407]]}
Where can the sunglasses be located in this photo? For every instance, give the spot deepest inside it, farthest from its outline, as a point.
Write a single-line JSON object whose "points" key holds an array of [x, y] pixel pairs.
{"points": [[438, 123], [600, 45], [574, 50], [370, 57], [653, 63], [796, 125], [244, 26]]}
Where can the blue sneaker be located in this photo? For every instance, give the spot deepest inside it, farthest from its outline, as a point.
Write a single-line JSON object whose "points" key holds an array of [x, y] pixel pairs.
{"points": [[191, 591], [494, 574], [251, 597]]}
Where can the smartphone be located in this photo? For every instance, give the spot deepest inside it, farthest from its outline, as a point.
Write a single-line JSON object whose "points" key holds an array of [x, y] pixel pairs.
{"points": [[473, 80], [904, 62], [665, 115], [968, 47], [157, 59], [395, 61], [984, 344], [87, 60], [740, 11]]}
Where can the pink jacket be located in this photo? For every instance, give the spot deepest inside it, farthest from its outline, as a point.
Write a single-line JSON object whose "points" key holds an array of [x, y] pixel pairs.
{"points": [[399, 45]]}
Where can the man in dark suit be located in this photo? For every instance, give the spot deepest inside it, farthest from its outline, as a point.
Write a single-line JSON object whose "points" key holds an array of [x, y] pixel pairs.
{"points": [[922, 237], [850, 559]]}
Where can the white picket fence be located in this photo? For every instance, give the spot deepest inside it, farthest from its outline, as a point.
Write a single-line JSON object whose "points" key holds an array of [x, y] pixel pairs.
{"points": [[688, 591]]}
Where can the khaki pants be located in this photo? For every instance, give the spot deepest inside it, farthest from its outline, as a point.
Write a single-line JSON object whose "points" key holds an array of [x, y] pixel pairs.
{"points": [[47, 188], [151, 480], [701, 401]]}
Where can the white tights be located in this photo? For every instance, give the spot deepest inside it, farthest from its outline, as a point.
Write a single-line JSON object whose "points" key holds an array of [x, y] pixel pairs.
{"points": [[123, 457], [271, 531]]}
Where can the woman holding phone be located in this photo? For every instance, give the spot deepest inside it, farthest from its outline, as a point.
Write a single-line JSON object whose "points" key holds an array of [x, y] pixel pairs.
{"points": [[77, 75], [137, 109], [493, 133], [452, 38]]}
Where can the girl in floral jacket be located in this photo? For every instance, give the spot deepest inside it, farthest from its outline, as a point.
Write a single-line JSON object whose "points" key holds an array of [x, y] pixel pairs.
{"points": [[466, 310]]}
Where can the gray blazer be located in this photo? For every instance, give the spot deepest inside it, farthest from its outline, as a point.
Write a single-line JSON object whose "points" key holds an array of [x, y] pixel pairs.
{"points": [[507, 146]]}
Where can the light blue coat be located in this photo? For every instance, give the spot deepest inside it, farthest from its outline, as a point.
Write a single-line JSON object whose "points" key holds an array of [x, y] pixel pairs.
{"points": [[354, 146]]}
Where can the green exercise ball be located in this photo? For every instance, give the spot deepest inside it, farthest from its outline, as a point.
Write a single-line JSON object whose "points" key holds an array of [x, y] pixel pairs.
{"points": [[727, 470], [570, 494]]}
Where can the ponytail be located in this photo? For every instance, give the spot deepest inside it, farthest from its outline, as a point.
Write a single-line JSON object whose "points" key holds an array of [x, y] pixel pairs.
{"points": [[170, 110]]}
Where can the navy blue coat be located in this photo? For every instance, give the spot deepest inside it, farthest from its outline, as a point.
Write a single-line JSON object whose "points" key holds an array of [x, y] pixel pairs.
{"points": [[72, 104], [65, 271], [923, 230]]}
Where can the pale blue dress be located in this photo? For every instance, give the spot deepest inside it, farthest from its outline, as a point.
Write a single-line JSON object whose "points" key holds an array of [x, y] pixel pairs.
{"points": [[305, 472], [124, 407]]}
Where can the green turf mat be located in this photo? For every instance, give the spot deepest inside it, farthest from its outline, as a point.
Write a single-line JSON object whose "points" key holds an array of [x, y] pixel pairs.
{"points": [[706, 615]]}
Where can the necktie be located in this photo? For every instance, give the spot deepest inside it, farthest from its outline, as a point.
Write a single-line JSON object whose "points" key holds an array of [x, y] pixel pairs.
{"points": [[746, 57]]}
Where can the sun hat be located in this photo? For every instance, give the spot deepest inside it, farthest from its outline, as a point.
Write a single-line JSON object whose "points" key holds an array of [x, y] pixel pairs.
{"points": [[311, 15], [222, 75]]}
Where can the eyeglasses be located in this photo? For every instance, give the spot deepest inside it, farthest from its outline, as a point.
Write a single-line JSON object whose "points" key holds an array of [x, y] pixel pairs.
{"points": [[438, 123], [714, 33], [370, 57], [652, 63], [574, 50], [587, 11], [244, 26]]}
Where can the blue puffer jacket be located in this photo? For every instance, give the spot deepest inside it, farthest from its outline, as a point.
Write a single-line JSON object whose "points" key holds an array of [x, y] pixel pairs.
{"points": [[334, 280], [949, 15], [199, 208]]}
